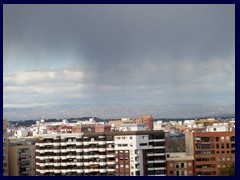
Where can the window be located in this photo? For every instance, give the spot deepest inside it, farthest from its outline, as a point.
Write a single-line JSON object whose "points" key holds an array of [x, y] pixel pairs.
{"points": [[227, 138], [171, 172], [182, 173], [177, 165], [171, 164], [190, 164], [177, 173], [143, 144], [217, 139], [131, 138], [189, 172], [182, 165], [222, 138]]}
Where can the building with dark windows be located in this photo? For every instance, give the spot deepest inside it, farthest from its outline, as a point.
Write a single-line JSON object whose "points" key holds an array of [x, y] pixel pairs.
{"points": [[5, 148], [126, 153], [213, 151]]}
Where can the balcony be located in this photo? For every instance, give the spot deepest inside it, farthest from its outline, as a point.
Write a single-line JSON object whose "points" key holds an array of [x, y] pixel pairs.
{"points": [[63, 170], [101, 142], [102, 163], [159, 147], [86, 163], [110, 149], [55, 170], [102, 156], [102, 170], [78, 150], [85, 143], [57, 164], [110, 155], [86, 150], [79, 163], [94, 170], [110, 162], [63, 144], [159, 168], [79, 170], [111, 169], [159, 161], [102, 149]]}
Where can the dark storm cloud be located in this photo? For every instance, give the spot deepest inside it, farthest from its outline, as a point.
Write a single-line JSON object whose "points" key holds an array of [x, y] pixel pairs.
{"points": [[106, 34]]}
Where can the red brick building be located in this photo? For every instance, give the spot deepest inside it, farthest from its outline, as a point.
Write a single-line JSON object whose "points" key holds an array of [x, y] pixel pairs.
{"points": [[213, 151]]}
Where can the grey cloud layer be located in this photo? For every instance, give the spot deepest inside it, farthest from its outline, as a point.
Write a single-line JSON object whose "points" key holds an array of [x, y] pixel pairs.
{"points": [[153, 54]]}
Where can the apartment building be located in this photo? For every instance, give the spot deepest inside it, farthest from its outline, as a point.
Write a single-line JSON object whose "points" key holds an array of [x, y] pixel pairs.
{"points": [[140, 153], [21, 155], [128, 153], [213, 151], [147, 119], [5, 148], [180, 164]]}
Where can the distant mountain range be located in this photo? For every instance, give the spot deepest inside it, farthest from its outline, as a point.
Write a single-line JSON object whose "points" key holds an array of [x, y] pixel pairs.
{"points": [[115, 111]]}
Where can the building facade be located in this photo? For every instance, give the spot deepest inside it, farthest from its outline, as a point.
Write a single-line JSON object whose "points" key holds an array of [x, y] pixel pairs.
{"points": [[5, 148], [147, 119], [213, 151], [129, 153], [21, 155], [180, 164]]}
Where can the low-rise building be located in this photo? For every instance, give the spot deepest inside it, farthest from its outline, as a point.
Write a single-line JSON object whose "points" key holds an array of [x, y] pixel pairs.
{"points": [[180, 164]]}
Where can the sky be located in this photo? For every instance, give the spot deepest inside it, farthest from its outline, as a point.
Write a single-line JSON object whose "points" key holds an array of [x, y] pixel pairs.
{"points": [[127, 54]]}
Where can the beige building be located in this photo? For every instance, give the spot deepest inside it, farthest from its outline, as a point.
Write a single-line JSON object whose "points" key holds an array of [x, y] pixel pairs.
{"points": [[21, 156], [189, 143], [5, 148]]}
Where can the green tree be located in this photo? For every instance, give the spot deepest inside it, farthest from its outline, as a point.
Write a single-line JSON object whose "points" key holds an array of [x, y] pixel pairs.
{"points": [[227, 170]]}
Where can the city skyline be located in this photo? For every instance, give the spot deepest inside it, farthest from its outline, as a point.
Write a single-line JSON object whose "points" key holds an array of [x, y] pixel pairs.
{"points": [[131, 55]]}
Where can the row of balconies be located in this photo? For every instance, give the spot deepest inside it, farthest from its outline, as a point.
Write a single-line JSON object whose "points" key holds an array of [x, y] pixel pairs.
{"points": [[156, 154], [76, 163], [156, 161], [73, 170], [71, 143], [156, 168]]}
